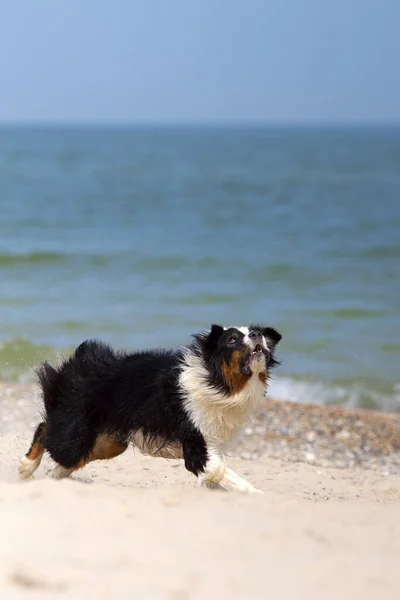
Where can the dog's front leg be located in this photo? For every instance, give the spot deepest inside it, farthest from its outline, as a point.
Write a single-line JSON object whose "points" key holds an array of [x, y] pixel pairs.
{"points": [[217, 473], [232, 481], [209, 465]]}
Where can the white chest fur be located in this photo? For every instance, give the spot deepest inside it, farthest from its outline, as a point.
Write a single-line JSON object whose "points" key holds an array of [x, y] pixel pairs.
{"points": [[218, 416]]}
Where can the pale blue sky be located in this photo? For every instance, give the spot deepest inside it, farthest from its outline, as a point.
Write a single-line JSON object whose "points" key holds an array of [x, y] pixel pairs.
{"points": [[200, 60]]}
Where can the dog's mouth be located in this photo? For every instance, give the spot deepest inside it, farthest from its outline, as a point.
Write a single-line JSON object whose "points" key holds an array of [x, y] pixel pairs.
{"points": [[258, 351], [256, 360]]}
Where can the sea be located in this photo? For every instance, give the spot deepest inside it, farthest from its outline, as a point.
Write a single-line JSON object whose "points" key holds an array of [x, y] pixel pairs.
{"points": [[144, 235]]}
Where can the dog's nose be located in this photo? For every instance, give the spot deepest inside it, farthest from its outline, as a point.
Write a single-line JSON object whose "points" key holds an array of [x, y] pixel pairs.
{"points": [[255, 336]]}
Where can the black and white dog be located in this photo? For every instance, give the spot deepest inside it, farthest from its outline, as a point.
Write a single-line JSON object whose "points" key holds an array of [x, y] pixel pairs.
{"points": [[188, 403]]}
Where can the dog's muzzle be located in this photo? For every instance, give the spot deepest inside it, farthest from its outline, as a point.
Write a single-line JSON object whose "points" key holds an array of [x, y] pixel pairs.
{"points": [[257, 344]]}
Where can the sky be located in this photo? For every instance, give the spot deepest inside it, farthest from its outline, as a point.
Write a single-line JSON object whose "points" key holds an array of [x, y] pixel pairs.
{"points": [[275, 61]]}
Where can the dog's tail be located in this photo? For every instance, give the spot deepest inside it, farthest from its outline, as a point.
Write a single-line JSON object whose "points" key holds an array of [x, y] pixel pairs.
{"points": [[48, 378], [59, 384], [65, 386], [31, 460]]}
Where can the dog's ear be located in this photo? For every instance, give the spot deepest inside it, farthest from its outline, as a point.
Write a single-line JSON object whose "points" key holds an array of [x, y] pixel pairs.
{"points": [[211, 337], [215, 333], [208, 340], [272, 336]]}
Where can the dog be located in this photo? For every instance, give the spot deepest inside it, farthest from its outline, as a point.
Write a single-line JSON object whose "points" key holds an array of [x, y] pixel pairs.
{"points": [[189, 403]]}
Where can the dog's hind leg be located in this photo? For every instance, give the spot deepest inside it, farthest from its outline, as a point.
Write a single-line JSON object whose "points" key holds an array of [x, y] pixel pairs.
{"points": [[105, 447], [31, 460], [60, 472]]}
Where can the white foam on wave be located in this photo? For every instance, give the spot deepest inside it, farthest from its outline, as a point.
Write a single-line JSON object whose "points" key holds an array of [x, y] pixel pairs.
{"points": [[319, 392]]}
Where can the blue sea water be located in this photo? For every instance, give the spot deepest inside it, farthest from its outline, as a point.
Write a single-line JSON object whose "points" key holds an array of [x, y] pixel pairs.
{"points": [[142, 236]]}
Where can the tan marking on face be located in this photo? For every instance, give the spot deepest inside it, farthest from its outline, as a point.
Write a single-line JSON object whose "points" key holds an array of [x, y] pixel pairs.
{"points": [[234, 378], [263, 377]]}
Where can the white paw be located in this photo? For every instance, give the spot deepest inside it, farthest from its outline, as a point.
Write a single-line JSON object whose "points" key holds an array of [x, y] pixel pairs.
{"points": [[245, 487], [58, 472], [235, 483], [256, 491], [27, 467]]}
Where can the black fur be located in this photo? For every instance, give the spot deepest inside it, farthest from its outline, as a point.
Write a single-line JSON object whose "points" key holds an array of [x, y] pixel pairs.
{"points": [[101, 391], [98, 390]]}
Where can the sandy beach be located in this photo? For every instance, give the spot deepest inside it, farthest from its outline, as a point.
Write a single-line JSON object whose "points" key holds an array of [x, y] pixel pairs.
{"points": [[167, 166], [328, 523]]}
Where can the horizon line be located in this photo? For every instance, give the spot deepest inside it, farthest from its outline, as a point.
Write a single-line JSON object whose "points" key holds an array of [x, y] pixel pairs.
{"points": [[198, 122]]}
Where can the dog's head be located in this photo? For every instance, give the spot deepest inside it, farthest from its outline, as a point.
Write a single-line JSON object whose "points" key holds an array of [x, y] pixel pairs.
{"points": [[235, 355]]}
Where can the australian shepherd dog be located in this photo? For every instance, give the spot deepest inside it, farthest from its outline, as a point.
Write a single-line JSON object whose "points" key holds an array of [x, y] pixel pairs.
{"points": [[187, 403]]}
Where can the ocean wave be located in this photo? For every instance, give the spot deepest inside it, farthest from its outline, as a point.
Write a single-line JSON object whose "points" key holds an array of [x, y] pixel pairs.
{"points": [[57, 258], [348, 395], [7, 260], [19, 358]]}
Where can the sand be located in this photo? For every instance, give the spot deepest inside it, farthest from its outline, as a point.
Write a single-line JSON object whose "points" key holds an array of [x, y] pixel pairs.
{"points": [[138, 527]]}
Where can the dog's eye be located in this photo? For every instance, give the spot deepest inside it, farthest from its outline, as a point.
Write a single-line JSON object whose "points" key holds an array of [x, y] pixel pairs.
{"points": [[231, 341]]}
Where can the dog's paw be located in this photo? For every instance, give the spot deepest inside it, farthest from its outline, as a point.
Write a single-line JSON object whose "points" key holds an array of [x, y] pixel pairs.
{"points": [[58, 472], [246, 488], [27, 467], [256, 491], [235, 483]]}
